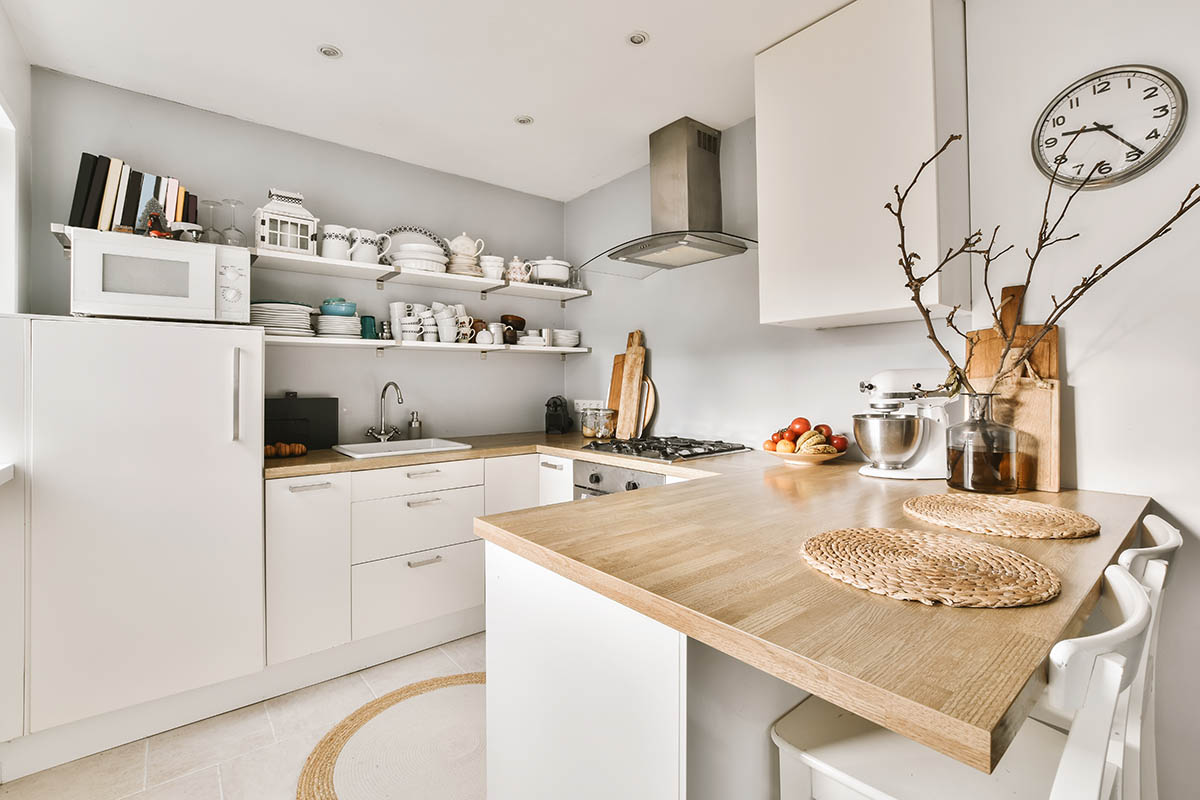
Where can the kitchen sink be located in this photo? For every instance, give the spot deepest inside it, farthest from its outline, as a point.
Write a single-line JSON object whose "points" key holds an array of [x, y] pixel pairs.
{"points": [[401, 448]]}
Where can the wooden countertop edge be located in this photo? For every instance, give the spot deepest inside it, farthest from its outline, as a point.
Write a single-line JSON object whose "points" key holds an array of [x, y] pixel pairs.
{"points": [[961, 740]]}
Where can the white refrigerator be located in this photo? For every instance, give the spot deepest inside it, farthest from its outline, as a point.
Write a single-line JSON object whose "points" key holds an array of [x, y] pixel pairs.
{"points": [[143, 511]]}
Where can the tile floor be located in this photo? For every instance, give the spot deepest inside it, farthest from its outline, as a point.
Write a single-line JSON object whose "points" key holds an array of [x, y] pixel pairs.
{"points": [[252, 753]]}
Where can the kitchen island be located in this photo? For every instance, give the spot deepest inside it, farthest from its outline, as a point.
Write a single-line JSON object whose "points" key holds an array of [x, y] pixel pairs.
{"points": [[626, 591]]}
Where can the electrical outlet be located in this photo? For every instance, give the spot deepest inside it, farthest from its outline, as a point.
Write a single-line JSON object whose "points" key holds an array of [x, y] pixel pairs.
{"points": [[583, 405]]}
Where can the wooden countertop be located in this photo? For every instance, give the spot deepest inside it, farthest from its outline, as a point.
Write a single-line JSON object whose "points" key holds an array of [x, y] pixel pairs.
{"points": [[719, 560], [322, 462]]}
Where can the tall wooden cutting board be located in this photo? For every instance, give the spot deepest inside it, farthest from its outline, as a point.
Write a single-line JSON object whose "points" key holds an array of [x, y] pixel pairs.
{"points": [[1030, 405], [629, 411]]}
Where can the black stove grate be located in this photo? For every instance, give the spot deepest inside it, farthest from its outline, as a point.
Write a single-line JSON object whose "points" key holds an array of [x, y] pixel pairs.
{"points": [[666, 448]]}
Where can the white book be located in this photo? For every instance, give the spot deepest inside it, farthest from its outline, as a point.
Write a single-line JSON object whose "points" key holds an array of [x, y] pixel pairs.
{"points": [[122, 188]]}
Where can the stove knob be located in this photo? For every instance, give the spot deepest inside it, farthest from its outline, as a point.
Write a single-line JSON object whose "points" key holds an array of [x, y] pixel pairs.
{"points": [[631, 485], [594, 478]]}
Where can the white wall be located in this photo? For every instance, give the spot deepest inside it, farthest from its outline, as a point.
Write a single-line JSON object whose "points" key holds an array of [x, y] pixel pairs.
{"points": [[15, 167], [218, 156], [1128, 345], [1129, 358]]}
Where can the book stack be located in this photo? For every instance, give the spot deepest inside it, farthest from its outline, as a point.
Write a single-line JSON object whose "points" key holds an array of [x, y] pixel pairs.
{"points": [[112, 196]]}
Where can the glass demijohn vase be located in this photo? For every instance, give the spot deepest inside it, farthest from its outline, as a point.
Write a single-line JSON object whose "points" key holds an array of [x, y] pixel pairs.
{"points": [[981, 452]]}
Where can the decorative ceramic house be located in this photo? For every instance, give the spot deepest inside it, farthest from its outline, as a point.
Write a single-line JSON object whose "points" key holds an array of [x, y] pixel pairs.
{"points": [[284, 224]]}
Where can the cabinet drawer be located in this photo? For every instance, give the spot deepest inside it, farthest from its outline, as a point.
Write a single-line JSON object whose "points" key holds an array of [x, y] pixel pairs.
{"points": [[397, 592], [393, 526], [373, 484]]}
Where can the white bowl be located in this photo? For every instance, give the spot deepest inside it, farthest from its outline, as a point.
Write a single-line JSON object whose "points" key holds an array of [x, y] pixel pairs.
{"points": [[552, 271], [418, 264]]}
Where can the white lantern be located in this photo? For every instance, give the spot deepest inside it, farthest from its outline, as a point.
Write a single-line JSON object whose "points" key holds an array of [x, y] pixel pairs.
{"points": [[284, 224]]}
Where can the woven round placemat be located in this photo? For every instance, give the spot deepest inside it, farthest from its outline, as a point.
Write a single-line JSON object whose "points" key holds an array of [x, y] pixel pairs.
{"points": [[1001, 516], [931, 568]]}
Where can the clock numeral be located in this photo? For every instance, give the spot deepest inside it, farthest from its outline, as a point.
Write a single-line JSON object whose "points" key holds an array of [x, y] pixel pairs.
{"points": [[1101, 87], [1078, 169], [1073, 102], [1059, 121], [1060, 160], [1151, 92], [1104, 168], [1133, 155], [1129, 83], [1152, 134], [1162, 111], [1052, 141]]}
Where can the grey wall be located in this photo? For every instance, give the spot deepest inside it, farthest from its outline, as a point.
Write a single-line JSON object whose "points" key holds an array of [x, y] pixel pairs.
{"points": [[1129, 345], [15, 169], [219, 156], [1128, 351]]}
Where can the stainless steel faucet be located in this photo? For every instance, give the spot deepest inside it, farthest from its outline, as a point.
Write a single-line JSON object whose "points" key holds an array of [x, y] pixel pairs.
{"points": [[385, 432]]}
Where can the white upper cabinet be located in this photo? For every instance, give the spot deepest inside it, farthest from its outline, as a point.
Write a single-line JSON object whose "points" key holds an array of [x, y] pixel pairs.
{"points": [[846, 109]]}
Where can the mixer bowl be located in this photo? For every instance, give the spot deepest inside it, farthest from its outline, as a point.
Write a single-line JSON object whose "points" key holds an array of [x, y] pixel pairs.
{"points": [[888, 440]]}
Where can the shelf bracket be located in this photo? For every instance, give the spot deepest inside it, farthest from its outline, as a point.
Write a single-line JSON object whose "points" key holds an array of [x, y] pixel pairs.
{"points": [[483, 355], [562, 357], [562, 303], [483, 295], [379, 285], [379, 352]]}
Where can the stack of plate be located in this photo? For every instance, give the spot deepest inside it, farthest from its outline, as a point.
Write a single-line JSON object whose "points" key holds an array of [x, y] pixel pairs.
{"points": [[282, 319], [421, 256], [565, 338], [332, 327], [464, 265]]}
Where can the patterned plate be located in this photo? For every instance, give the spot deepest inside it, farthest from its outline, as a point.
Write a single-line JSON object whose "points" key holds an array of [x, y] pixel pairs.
{"points": [[408, 234]]}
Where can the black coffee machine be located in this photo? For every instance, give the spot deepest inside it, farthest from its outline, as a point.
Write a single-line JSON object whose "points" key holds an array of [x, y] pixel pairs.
{"points": [[558, 420]]}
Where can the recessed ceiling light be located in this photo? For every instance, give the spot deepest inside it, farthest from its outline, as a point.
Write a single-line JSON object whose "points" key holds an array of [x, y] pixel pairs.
{"points": [[523, 119], [330, 51], [637, 38]]}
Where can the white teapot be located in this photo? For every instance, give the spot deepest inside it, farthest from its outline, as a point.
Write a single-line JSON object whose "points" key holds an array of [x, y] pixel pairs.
{"points": [[464, 245]]}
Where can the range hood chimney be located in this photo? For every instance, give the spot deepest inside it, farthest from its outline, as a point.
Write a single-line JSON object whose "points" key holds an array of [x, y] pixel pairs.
{"points": [[685, 201]]}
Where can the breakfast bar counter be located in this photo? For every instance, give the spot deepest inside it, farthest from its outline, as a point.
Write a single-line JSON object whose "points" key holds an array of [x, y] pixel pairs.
{"points": [[718, 560]]}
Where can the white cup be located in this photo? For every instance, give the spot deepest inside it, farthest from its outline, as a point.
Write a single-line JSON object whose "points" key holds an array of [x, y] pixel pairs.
{"points": [[335, 241], [430, 337], [409, 336], [460, 309], [417, 309], [438, 306], [493, 273], [483, 337], [365, 247]]}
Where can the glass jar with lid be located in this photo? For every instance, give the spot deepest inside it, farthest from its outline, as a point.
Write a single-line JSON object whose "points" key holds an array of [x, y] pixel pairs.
{"points": [[598, 423]]}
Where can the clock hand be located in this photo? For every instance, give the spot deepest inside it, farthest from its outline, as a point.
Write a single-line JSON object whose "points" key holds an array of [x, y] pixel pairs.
{"points": [[1108, 129]]}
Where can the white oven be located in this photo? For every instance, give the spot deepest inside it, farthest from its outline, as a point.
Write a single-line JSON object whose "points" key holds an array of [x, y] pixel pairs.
{"points": [[125, 275]]}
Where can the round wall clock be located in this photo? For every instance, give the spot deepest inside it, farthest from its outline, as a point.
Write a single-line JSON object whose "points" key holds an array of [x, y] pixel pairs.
{"points": [[1114, 124]]}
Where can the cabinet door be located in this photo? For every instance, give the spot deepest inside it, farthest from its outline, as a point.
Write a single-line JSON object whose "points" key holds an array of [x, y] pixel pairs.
{"points": [[308, 565], [510, 483], [146, 538], [845, 109], [14, 345], [395, 526], [556, 480]]}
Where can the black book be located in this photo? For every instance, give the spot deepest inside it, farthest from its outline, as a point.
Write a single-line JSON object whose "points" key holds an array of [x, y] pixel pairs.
{"points": [[192, 212], [95, 193], [87, 165], [128, 214]]}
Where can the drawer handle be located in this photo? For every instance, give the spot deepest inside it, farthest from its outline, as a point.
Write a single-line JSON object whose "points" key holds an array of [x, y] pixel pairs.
{"points": [[419, 503], [426, 562], [552, 466], [311, 487], [423, 473]]}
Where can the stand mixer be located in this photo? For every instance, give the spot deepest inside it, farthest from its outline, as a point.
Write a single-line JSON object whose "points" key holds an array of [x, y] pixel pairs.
{"points": [[904, 434]]}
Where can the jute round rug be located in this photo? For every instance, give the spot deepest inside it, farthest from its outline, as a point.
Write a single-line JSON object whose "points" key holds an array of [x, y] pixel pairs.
{"points": [[424, 740]]}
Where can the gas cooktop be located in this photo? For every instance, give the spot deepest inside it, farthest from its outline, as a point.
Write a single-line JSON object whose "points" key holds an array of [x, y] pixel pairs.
{"points": [[665, 448]]}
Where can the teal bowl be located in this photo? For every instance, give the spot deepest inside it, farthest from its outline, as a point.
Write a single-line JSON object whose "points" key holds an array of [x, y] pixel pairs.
{"points": [[338, 308]]}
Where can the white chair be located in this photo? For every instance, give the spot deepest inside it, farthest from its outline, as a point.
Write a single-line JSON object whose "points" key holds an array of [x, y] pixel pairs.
{"points": [[827, 753], [1149, 564]]}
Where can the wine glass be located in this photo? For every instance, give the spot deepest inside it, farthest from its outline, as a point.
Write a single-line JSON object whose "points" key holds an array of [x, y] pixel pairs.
{"points": [[232, 233], [208, 218]]}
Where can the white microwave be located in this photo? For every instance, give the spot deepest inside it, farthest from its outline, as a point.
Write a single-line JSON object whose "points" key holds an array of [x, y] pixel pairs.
{"points": [[125, 275]]}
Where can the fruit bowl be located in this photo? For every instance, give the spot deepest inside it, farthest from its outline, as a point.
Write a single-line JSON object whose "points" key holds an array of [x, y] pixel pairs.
{"points": [[805, 459]]}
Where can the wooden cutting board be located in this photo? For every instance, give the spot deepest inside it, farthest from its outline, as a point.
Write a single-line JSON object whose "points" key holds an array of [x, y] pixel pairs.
{"points": [[629, 410], [989, 344], [1031, 406]]}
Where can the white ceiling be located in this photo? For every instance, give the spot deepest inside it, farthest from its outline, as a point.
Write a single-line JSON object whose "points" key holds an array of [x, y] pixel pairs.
{"points": [[436, 83]]}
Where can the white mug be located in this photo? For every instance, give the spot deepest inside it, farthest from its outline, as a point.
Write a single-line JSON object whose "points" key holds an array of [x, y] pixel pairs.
{"points": [[365, 247], [460, 309], [416, 309], [335, 241], [494, 273], [483, 337]]}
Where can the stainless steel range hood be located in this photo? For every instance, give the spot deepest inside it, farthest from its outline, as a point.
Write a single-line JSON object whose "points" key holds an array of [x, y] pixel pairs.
{"points": [[685, 202]]}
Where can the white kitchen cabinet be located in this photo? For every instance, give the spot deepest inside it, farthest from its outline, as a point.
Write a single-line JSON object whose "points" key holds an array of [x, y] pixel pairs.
{"points": [[393, 526], [846, 109], [373, 484], [556, 481], [14, 346], [407, 590], [308, 565], [146, 503], [511, 483]]}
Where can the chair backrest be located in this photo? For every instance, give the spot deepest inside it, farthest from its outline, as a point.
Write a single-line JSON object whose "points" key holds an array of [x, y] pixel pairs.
{"points": [[1160, 540], [1087, 677], [1125, 604]]}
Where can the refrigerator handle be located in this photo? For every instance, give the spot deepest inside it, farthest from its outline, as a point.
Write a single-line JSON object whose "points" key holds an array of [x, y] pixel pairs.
{"points": [[237, 393]]}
